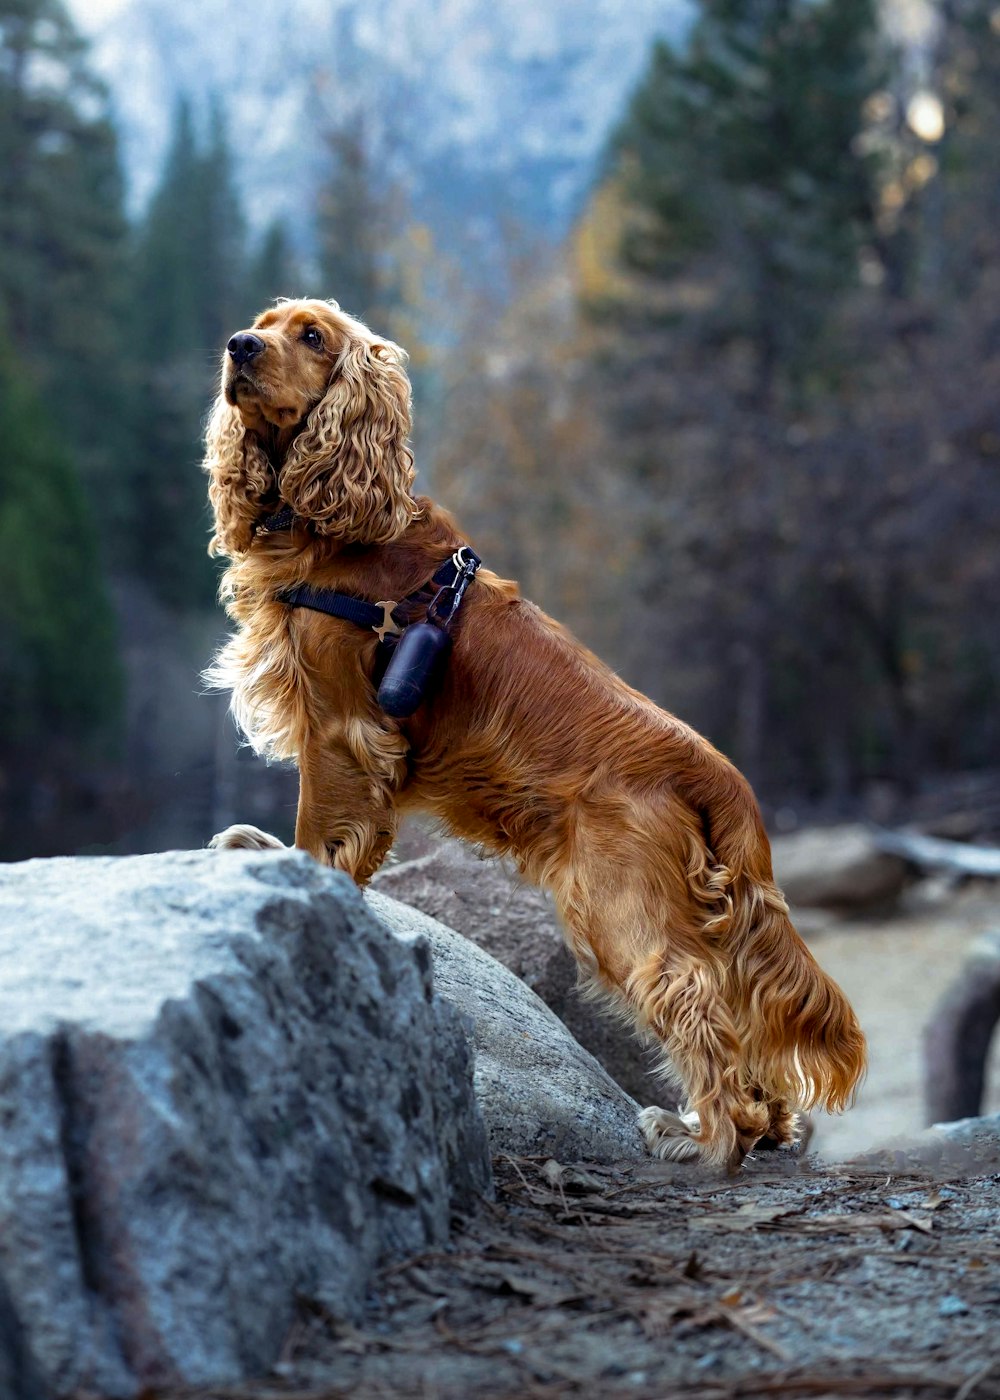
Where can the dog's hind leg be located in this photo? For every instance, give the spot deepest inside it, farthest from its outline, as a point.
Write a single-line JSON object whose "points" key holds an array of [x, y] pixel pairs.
{"points": [[785, 1128], [679, 999], [676, 998], [638, 932]]}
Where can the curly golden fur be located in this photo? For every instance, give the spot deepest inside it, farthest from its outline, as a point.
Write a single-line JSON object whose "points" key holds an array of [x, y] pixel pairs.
{"points": [[649, 839]]}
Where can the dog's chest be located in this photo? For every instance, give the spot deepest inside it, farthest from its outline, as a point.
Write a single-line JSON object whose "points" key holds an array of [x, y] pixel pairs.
{"points": [[263, 668]]}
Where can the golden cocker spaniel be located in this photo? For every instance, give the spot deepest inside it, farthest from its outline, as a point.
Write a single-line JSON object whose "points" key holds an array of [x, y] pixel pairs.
{"points": [[649, 839]]}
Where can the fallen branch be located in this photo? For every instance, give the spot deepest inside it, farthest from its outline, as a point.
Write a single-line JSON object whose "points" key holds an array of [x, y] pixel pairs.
{"points": [[932, 853]]}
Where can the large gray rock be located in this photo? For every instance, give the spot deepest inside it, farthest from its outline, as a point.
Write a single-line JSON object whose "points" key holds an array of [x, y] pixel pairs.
{"points": [[222, 1084], [539, 1090], [836, 867], [486, 901]]}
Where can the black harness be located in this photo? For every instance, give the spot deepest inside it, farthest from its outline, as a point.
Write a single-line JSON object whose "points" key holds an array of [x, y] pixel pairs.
{"points": [[409, 652]]}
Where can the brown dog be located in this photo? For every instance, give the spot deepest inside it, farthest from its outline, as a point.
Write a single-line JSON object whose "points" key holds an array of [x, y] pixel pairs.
{"points": [[649, 839]]}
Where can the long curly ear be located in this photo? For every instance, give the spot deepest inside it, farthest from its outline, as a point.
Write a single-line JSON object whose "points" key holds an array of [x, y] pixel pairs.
{"points": [[349, 472], [240, 477]]}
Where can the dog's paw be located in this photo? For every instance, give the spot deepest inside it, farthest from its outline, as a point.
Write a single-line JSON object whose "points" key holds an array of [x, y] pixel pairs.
{"points": [[244, 838], [788, 1132], [668, 1135]]}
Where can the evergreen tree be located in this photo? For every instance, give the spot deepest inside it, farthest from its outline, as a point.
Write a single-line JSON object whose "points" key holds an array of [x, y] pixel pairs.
{"points": [[355, 228], [745, 146], [190, 256], [274, 271], [189, 299], [748, 199], [60, 681], [63, 235], [220, 238], [168, 260], [967, 194]]}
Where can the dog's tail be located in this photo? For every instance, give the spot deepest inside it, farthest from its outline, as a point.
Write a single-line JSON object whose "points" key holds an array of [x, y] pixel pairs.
{"points": [[800, 1037]]}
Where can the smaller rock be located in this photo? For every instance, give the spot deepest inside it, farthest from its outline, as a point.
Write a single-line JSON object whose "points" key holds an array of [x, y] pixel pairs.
{"points": [[967, 1147], [952, 1306], [486, 901], [836, 867], [540, 1092]]}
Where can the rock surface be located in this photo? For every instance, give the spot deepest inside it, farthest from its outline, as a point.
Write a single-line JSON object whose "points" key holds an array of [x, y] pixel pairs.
{"points": [[487, 902], [836, 867], [965, 1147], [539, 1090], [222, 1083], [974, 1141]]}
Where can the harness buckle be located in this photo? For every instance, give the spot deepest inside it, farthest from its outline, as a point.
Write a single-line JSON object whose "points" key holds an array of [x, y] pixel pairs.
{"points": [[388, 623]]}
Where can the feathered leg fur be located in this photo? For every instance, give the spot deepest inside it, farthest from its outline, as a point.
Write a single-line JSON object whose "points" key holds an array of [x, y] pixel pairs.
{"points": [[708, 964]]}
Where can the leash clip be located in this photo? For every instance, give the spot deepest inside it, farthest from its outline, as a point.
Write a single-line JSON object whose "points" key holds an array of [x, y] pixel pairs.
{"points": [[388, 623], [444, 607]]}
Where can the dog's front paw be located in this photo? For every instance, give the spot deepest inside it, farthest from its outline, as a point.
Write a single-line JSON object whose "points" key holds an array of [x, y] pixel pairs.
{"points": [[245, 838]]}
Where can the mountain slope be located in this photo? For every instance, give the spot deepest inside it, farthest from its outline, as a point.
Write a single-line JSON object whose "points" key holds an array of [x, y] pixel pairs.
{"points": [[480, 102]]}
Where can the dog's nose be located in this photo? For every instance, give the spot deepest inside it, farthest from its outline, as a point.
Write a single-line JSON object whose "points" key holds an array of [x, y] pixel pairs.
{"points": [[244, 347]]}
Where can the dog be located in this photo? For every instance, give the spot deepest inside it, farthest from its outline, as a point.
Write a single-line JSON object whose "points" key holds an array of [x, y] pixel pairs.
{"points": [[649, 839]]}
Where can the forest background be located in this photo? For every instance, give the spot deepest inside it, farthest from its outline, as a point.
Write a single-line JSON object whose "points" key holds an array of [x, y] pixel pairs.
{"points": [[739, 429]]}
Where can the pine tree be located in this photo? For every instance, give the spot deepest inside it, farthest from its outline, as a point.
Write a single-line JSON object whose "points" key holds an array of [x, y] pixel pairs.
{"points": [[189, 298], [60, 678], [190, 259], [355, 228], [747, 200], [220, 238], [63, 235], [969, 154], [274, 270], [744, 146], [168, 265]]}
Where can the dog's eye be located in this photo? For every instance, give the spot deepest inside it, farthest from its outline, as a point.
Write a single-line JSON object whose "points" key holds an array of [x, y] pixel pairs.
{"points": [[312, 337]]}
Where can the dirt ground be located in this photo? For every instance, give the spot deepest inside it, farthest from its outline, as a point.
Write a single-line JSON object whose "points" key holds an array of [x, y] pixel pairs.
{"points": [[653, 1281]]}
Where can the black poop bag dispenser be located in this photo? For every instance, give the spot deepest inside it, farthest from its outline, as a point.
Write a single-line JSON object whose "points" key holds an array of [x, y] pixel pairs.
{"points": [[420, 652]]}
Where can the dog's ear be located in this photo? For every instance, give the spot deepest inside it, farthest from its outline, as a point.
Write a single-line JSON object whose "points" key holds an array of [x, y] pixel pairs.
{"points": [[240, 479], [350, 470]]}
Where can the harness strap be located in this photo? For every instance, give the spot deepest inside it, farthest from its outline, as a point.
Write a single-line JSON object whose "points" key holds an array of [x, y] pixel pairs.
{"points": [[337, 605], [385, 617]]}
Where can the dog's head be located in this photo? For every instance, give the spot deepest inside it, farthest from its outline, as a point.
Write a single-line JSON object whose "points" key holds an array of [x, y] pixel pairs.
{"points": [[314, 411]]}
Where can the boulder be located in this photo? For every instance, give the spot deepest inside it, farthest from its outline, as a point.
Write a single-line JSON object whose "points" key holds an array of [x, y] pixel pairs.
{"points": [[837, 867], [488, 902], [539, 1090], [223, 1083]]}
